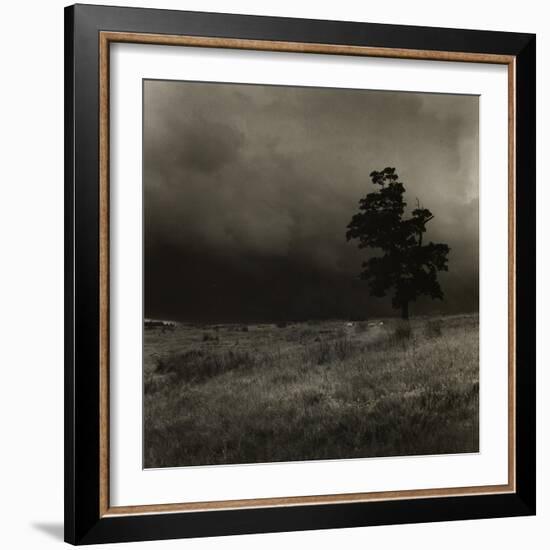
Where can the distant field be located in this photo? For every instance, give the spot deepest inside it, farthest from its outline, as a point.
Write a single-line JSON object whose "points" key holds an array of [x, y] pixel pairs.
{"points": [[230, 394]]}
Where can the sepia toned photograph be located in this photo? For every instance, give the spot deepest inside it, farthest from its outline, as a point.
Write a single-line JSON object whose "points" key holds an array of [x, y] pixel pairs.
{"points": [[311, 273]]}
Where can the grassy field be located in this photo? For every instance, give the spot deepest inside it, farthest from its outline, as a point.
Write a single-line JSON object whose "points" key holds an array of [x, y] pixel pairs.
{"points": [[229, 394]]}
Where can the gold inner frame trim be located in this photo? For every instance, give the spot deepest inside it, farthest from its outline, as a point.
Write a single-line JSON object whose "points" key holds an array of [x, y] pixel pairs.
{"points": [[105, 39]]}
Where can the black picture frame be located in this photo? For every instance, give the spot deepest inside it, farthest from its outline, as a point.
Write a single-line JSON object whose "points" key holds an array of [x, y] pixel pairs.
{"points": [[84, 523]]}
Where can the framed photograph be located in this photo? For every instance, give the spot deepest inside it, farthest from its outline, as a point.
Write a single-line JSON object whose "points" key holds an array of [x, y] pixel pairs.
{"points": [[300, 274]]}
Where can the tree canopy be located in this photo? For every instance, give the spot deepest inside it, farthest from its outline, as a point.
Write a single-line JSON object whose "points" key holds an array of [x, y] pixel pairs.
{"points": [[407, 266]]}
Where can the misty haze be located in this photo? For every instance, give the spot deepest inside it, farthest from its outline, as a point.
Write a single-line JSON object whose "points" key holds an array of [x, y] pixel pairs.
{"points": [[310, 273]]}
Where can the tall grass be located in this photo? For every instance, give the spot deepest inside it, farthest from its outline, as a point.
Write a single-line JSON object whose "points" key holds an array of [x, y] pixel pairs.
{"points": [[198, 365], [315, 392]]}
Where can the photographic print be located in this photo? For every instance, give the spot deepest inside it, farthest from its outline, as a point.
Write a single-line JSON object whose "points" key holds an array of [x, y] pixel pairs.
{"points": [[311, 265], [280, 238]]}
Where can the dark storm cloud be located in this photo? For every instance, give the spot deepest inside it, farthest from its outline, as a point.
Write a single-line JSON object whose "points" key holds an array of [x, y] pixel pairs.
{"points": [[248, 191], [207, 147]]}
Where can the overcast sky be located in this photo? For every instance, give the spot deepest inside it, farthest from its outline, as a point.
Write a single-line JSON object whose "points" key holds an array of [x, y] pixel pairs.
{"points": [[248, 190]]}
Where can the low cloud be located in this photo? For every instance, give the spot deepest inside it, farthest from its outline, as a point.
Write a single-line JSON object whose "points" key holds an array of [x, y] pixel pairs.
{"points": [[248, 191]]}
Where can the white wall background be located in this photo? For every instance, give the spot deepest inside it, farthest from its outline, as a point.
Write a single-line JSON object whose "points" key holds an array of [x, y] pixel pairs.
{"points": [[31, 277]]}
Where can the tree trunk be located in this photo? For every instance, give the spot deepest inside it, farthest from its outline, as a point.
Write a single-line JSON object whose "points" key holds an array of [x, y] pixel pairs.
{"points": [[405, 311]]}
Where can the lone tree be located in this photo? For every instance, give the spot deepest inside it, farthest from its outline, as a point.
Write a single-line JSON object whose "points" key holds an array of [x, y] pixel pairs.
{"points": [[407, 265]]}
